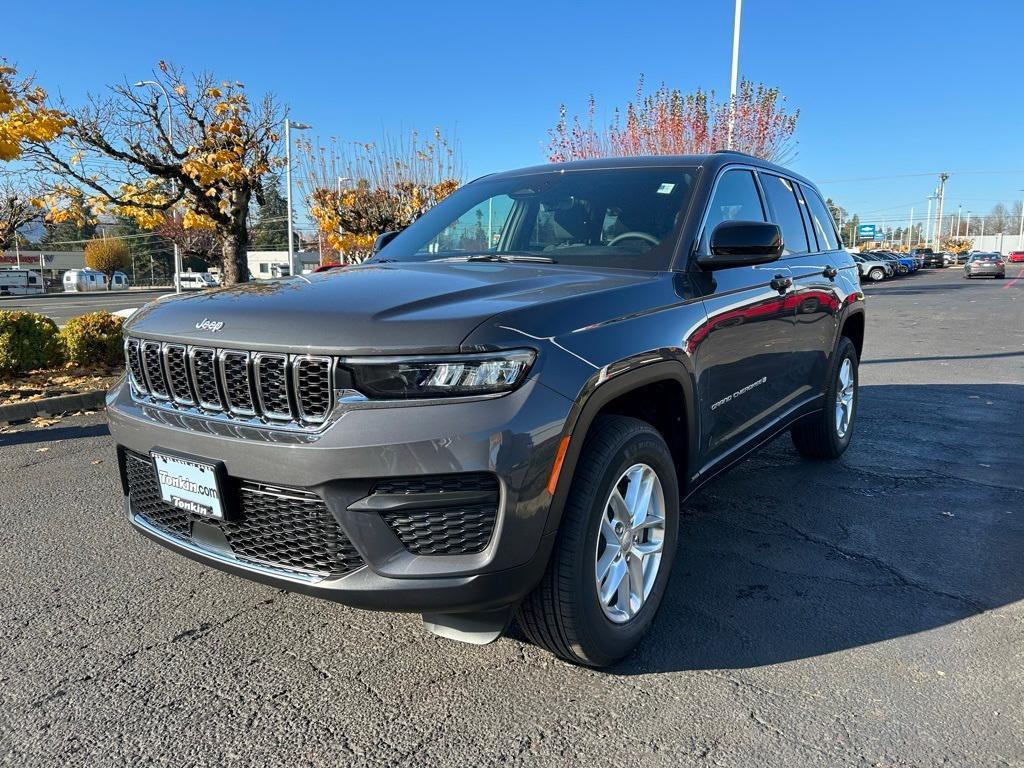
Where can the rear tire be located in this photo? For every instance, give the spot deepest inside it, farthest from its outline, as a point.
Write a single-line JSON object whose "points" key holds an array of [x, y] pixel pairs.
{"points": [[565, 613], [827, 434], [876, 274]]}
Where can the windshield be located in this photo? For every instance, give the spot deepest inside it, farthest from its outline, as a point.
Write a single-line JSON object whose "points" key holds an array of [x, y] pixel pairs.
{"points": [[620, 217]]}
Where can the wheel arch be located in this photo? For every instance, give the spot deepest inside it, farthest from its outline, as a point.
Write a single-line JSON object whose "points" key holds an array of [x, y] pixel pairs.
{"points": [[664, 388], [852, 328]]}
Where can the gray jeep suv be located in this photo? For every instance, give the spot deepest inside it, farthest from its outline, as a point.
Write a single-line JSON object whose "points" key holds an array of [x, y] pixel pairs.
{"points": [[500, 412]]}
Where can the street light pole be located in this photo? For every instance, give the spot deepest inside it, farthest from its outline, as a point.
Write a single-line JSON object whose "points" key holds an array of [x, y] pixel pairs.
{"points": [[735, 69], [959, 208], [167, 98], [288, 125]]}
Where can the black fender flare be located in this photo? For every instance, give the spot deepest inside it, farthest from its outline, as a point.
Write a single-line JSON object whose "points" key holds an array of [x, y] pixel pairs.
{"points": [[598, 393]]}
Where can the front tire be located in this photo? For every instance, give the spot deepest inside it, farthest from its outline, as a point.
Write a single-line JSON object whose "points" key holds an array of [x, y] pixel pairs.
{"points": [[876, 274], [827, 434], [615, 547]]}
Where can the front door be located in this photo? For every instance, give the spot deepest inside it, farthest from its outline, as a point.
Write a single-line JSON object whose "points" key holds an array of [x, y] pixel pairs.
{"points": [[743, 358]]}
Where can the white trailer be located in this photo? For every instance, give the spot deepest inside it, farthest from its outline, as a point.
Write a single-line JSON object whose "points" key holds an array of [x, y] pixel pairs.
{"points": [[20, 282]]}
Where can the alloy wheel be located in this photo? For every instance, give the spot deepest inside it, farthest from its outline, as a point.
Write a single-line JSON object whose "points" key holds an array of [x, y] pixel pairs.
{"points": [[844, 398], [630, 543]]}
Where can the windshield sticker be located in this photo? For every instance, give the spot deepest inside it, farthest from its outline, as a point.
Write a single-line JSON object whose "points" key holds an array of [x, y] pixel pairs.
{"points": [[666, 188]]}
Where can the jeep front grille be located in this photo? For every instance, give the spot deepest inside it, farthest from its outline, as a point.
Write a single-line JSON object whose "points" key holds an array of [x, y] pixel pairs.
{"points": [[251, 387]]}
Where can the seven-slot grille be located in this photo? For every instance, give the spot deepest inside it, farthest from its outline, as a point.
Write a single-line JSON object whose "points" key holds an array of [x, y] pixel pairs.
{"points": [[276, 388]]}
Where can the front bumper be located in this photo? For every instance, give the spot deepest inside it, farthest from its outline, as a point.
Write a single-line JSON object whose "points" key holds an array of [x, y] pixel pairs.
{"points": [[513, 437]]}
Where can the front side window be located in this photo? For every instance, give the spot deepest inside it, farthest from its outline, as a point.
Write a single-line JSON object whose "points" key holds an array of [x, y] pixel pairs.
{"points": [[626, 218], [735, 199], [782, 200], [821, 219]]}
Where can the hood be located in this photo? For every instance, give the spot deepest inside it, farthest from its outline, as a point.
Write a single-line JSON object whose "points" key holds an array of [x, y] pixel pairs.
{"points": [[372, 309]]}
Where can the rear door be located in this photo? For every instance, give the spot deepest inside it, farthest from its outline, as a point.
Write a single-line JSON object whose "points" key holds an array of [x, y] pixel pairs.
{"points": [[810, 243], [742, 359]]}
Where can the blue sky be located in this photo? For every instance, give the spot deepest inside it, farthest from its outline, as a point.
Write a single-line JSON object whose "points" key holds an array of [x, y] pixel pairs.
{"points": [[885, 89]]}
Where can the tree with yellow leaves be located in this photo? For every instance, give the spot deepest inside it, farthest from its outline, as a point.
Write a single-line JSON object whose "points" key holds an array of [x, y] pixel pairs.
{"points": [[24, 114], [356, 191], [123, 154], [107, 255], [16, 210]]}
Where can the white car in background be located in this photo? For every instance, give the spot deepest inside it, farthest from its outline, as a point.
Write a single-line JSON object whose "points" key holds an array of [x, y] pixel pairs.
{"points": [[194, 281]]}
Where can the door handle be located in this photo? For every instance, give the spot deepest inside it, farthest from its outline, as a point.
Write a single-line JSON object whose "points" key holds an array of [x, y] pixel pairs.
{"points": [[830, 272], [781, 283]]}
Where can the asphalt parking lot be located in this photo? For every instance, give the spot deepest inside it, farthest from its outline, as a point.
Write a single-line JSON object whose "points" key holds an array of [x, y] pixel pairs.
{"points": [[865, 612], [61, 307]]}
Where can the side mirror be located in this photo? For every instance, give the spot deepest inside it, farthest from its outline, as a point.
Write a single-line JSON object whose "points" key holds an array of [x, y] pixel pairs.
{"points": [[742, 244], [383, 239]]}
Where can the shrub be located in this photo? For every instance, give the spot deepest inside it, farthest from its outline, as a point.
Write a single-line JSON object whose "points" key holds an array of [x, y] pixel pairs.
{"points": [[94, 339], [28, 341]]}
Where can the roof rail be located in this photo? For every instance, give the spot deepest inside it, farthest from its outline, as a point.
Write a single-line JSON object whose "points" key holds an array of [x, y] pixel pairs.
{"points": [[735, 152]]}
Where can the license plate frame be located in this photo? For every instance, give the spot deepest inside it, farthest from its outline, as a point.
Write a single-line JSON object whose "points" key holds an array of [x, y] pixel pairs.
{"points": [[191, 484]]}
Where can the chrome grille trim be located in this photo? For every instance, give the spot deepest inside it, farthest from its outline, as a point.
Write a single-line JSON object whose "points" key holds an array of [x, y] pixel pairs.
{"points": [[273, 390], [202, 363], [153, 369], [133, 362], [239, 403], [270, 393], [309, 409], [176, 355]]}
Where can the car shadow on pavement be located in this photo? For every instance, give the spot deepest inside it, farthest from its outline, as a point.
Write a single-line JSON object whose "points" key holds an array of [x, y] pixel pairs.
{"points": [[49, 434], [920, 524]]}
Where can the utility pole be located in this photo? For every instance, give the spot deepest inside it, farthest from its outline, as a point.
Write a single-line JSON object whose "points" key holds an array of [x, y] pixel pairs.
{"points": [[959, 208], [1020, 238], [928, 222], [735, 69], [941, 193], [910, 230]]}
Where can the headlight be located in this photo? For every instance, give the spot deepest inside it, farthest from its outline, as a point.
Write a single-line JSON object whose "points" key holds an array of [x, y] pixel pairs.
{"points": [[395, 378]]}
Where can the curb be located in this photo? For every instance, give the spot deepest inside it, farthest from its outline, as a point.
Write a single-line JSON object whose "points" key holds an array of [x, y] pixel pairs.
{"points": [[94, 398]]}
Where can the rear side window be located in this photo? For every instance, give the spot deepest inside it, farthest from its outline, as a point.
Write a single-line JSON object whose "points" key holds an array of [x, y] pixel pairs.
{"points": [[782, 200], [824, 227], [736, 199]]}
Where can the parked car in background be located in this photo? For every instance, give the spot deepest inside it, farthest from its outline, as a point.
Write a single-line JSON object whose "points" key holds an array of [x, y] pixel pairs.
{"points": [[948, 258], [327, 267], [933, 259], [20, 282], [1016, 256], [985, 265], [870, 269], [195, 281], [906, 263], [888, 265], [84, 280]]}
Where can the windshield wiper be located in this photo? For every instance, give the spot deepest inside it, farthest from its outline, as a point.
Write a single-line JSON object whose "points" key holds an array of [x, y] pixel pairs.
{"points": [[508, 256]]}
